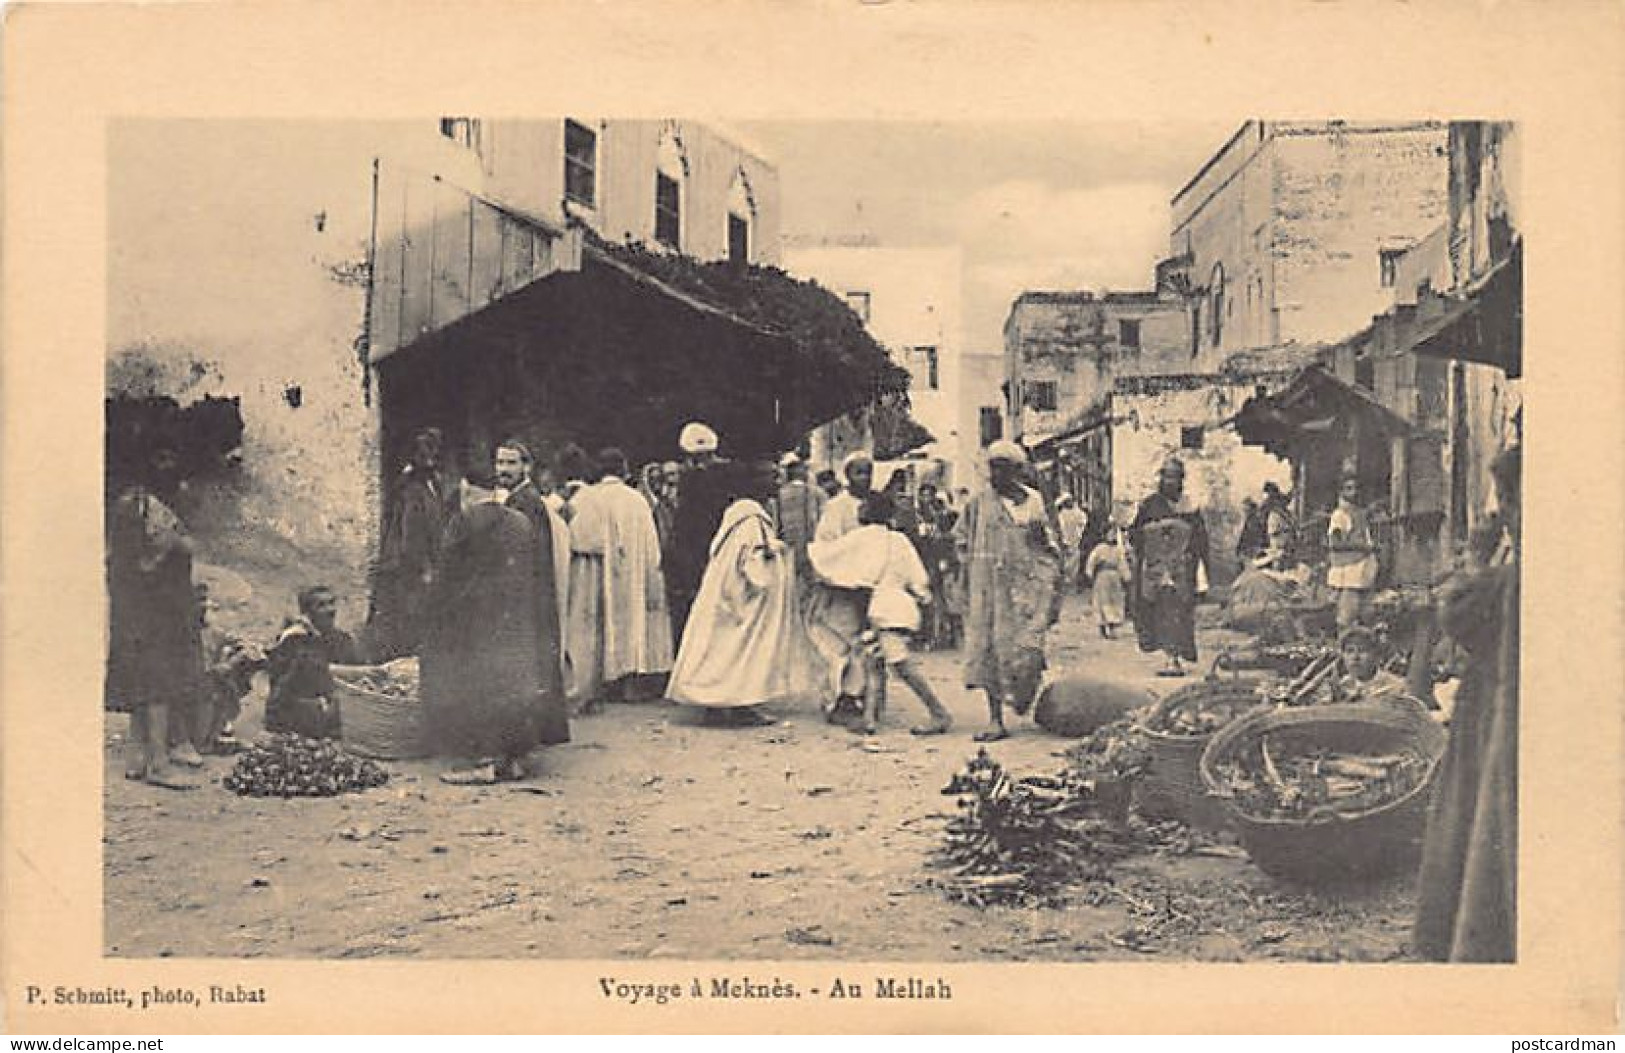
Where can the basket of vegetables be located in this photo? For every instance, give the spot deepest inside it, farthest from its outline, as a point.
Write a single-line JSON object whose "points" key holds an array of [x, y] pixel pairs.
{"points": [[382, 713], [1177, 730], [1327, 794]]}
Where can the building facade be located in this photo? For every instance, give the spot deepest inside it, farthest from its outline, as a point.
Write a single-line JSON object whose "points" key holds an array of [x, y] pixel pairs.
{"points": [[1155, 417], [910, 299], [1290, 233], [1063, 350], [289, 264]]}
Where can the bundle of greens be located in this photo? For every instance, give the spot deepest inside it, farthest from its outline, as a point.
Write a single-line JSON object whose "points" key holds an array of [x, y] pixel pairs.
{"points": [[295, 766], [1115, 752]]}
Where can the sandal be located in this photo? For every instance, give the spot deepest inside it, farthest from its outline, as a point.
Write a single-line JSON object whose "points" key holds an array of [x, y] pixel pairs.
{"points": [[998, 734], [170, 780], [939, 728]]}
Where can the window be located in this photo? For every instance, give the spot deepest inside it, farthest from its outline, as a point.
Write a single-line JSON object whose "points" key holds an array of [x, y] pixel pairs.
{"points": [[924, 367], [992, 425], [1190, 438], [741, 214], [1042, 396], [1216, 313], [1388, 261], [1128, 332], [1365, 372], [464, 131], [859, 302], [580, 164], [668, 211]]}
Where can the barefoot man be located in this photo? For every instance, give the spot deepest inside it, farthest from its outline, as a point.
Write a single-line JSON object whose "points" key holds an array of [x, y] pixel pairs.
{"points": [[1013, 566]]}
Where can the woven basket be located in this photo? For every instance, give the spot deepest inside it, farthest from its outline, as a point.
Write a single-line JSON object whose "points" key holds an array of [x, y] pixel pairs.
{"points": [[377, 725], [1342, 846], [1172, 785]]}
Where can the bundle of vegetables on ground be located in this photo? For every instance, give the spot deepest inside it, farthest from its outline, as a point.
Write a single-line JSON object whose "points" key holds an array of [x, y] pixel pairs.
{"points": [[1116, 752], [1022, 840], [295, 766], [1269, 781]]}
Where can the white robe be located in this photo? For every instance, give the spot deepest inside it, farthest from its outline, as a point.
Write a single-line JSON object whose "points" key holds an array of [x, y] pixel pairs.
{"points": [[743, 644], [834, 615], [617, 624]]}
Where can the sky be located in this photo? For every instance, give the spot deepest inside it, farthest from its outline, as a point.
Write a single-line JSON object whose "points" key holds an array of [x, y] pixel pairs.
{"points": [[1030, 205]]}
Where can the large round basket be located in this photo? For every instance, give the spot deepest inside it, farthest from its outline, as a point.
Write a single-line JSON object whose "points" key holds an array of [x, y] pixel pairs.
{"points": [[1172, 785], [1340, 847], [377, 725]]}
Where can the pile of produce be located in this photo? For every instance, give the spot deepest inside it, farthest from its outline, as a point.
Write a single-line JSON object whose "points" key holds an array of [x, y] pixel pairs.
{"points": [[1022, 841], [1200, 713], [295, 766], [1272, 783], [397, 679], [1118, 752]]}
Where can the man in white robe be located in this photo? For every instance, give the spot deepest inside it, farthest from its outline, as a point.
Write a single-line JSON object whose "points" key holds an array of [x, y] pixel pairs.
{"points": [[744, 645], [618, 632]]}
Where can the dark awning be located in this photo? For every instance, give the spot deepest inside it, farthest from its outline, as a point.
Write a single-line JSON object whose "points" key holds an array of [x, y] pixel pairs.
{"points": [[1314, 408], [1484, 324], [607, 355]]}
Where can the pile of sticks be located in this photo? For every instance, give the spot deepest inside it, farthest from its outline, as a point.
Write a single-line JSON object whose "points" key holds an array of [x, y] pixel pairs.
{"points": [[1023, 841]]}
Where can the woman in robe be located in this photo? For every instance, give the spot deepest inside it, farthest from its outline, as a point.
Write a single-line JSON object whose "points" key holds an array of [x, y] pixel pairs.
{"points": [[1467, 900], [1013, 571], [743, 644], [1169, 540], [491, 679], [1105, 570], [154, 657]]}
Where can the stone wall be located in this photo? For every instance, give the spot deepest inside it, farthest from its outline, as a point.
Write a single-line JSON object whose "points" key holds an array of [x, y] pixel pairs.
{"points": [[1149, 421], [242, 246], [1286, 227], [1074, 340], [1340, 198]]}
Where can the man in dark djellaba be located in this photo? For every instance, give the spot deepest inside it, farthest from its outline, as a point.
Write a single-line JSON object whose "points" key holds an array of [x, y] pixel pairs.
{"points": [[1170, 545], [410, 543], [492, 682]]}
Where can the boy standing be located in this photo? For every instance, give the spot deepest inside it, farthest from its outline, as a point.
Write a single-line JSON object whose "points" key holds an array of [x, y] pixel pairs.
{"points": [[883, 559]]}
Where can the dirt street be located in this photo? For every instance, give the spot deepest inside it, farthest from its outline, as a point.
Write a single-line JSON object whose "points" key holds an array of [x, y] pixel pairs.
{"points": [[650, 837]]}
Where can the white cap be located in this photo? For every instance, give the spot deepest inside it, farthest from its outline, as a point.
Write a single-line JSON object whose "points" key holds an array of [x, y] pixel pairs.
{"points": [[697, 438]]}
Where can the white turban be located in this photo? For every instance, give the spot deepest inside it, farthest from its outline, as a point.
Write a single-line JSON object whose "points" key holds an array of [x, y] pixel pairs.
{"points": [[856, 457], [1007, 451], [697, 438]]}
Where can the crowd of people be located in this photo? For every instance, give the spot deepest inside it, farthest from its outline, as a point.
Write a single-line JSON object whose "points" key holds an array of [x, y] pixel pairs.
{"points": [[535, 593]]}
